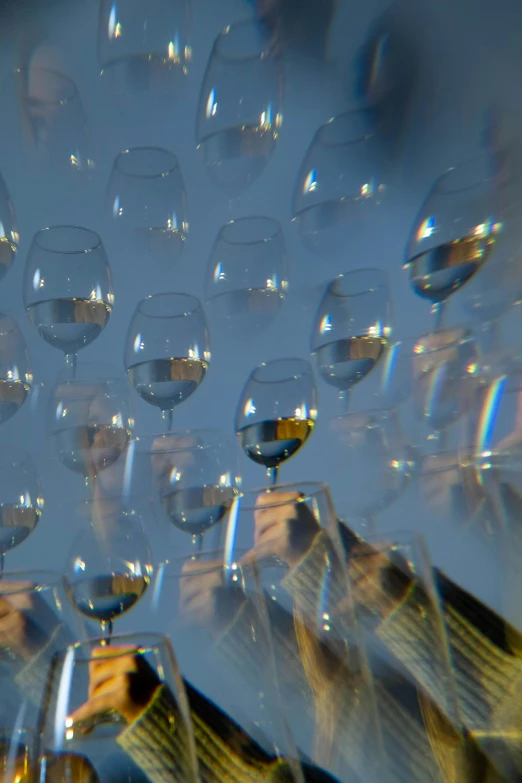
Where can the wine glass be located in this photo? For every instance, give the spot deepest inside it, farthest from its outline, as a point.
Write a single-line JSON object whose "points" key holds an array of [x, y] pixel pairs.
{"points": [[144, 48], [21, 499], [90, 420], [339, 185], [109, 566], [9, 236], [46, 116], [167, 350], [68, 690], [247, 275], [146, 202], [68, 294], [352, 328], [240, 107], [454, 233], [16, 377], [276, 412], [17, 755]]}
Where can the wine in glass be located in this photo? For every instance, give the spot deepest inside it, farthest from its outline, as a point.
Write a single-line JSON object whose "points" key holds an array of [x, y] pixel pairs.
{"points": [[68, 293], [240, 107], [247, 275], [21, 499], [16, 377], [9, 236], [454, 233], [167, 350], [147, 204], [352, 328], [276, 412]]}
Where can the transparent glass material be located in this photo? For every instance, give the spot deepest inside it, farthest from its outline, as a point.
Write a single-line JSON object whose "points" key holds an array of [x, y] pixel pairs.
{"points": [[9, 236], [109, 566], [18, 753], [146, 203], [16, 378], [144, 49], [167, 350], [351, 329], [74, 717], [240, 110], [292, 536], [21, 499], [90, 419], [47, 120], [210, 607], [276, 412], [247, 276], [339, 186], [67, 288], [455, 232]]}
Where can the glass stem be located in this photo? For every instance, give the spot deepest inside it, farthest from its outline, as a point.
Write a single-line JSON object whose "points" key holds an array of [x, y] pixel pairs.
{"points": [[70, 365], [197, 545], [106, 632], [167, 416], [438, 310], [2, 556], [272, 475], [345, 397]]}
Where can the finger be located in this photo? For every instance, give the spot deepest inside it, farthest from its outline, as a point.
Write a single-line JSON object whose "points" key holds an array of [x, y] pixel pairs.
{"points": [[276, 498], [200, 567], [97, 705], [111, 669]]}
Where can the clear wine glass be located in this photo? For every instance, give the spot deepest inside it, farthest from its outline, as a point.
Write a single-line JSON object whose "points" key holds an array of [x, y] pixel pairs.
{"points": [[276, 412], [16, 378], [144, 48], [9, 236], [109, 566], [339, 185], [147, 204], [239, 115], [21, 499], [46, 117], [352, 328], [167, 350], [67, 288], [90, 420], [247, 275], [454, 233]]}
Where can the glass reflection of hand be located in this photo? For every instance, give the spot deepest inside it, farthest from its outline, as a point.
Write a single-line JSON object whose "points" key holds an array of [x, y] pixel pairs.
{"points": [[204, 601], [170, 453], [26, 622], [378, 581]]}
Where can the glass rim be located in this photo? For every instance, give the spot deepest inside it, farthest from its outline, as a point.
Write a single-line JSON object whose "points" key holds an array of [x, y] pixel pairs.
{"points": [[219, 436], [414, 340], [52, 72], [358, 138], [358, 290], [153, 639], [219, 561], [312, 489], [143, 305], [52, 579], [131, 151], [242, 222], [306, 369], [454, 172], [14, 327], [261, 51], [392, 412], [79, 230]]}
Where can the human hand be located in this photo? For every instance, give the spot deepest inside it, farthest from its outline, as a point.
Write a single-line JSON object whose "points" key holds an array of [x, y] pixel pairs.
{"points": [[121, 681], [26, 622], [204, 600]]}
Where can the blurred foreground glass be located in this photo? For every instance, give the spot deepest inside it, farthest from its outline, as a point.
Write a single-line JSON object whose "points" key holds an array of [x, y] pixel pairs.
{"points": [[45, 116], [454, 233], [276, 412], [21, 499], [67, 288], [247, 276], [147, 204], [167, 350], [351, 329], [16, 378], [151, 660], [239, 116], [9, 236], [18, 751], [144, 49], [338, 186]]}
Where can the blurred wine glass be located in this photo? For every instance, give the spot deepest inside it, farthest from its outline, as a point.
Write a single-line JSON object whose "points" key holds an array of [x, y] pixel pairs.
{"points": [[247, 275], [276, 412], [167, 350], [21, 499], [454, 233], [18, 750], [58, 767], [146, 202], [109, 566], [16, 378], [338, 186], [47, 119], [9, 236], [90, 420], [352, 328], [239, 115], [144, 48], [67, 288]]}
